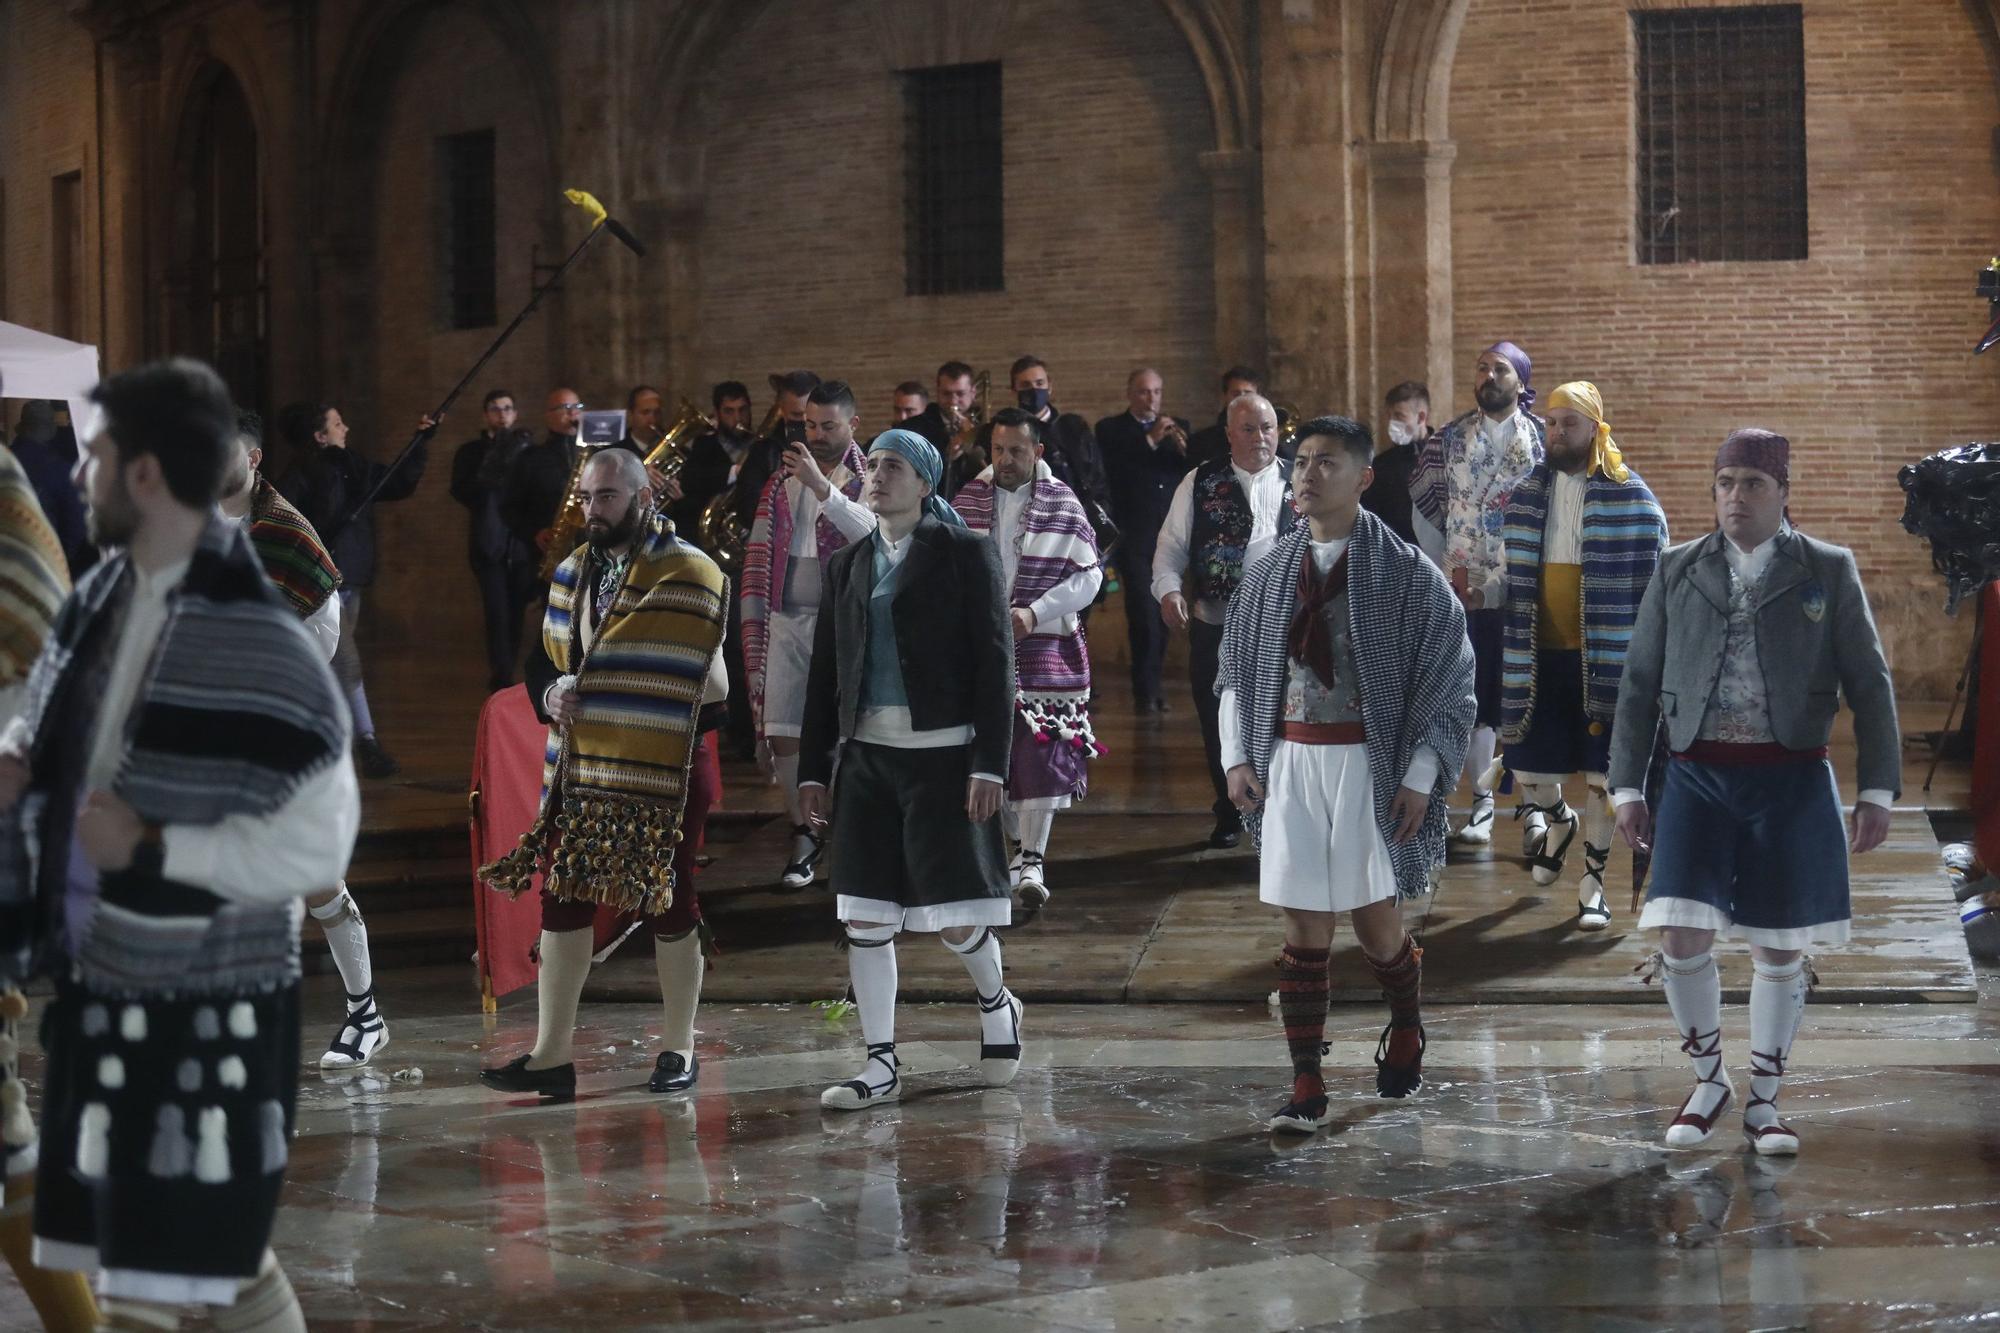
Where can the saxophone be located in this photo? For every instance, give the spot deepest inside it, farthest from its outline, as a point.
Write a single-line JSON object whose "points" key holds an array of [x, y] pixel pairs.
{"points": [[565, 532]]}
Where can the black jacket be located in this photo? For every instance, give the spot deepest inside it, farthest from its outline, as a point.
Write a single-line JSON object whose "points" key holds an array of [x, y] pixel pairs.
{"points": [[758, 467], [326, 487], [954, 635], [1388, 496], [1210, 442], [929, 423], [479, 471], [533, 495], [1142, 479], [704, 476]]}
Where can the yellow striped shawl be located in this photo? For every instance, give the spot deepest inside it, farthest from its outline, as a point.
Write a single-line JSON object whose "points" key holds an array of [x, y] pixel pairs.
{"points": [[34, 577], [614, 785]]}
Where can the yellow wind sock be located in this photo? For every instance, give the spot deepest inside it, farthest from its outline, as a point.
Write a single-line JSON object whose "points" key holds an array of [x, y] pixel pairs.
{"points": [[587, 201]]}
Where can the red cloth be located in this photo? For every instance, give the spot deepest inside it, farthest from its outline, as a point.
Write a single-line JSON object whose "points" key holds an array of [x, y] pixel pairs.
{"points": [[506, 792], [1986, 740]]}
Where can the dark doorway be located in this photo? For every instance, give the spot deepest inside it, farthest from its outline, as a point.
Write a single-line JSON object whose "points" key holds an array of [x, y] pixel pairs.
{"points": [[220, 241]]}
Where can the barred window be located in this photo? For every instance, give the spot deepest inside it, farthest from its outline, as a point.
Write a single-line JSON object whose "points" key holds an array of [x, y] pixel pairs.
{"points": [[1722, 134], [954, 240], [465, 164]]}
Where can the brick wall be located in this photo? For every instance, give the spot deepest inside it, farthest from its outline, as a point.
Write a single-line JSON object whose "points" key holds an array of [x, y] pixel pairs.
{"points": [[456, 78], [1107, 213], [1860, 353], [47, 99]]}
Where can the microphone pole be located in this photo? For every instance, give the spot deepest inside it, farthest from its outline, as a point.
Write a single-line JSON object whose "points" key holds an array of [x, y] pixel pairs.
{"points": [[601, 221]]}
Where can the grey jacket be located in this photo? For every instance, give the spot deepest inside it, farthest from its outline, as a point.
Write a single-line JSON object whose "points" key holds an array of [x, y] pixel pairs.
{"points": [[1816, 640], [954, 633]]}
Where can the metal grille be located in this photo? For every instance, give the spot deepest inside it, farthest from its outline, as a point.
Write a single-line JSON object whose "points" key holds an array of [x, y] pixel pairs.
{"points": [[469, 249], [1722, 134], [954, 238]]}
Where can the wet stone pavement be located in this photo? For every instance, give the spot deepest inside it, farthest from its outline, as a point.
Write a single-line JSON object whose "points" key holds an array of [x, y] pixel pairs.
{"points": [[1124, 1182]]}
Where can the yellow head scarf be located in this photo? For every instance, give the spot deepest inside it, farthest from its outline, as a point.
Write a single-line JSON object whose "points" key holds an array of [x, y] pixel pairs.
{"points": [[1582, 396]]}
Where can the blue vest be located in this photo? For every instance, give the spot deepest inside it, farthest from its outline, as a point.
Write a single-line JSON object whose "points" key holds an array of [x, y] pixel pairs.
{"points": [[882, 667]]}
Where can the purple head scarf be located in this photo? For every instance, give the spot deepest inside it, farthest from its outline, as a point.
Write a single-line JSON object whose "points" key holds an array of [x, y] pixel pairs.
{"points": [[1522, 367]]}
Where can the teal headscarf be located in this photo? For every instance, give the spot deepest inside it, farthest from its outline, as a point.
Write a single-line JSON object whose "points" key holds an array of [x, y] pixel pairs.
{"points": [[923, 456]]}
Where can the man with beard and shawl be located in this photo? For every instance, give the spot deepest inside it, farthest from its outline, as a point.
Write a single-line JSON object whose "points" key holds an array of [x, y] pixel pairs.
{"points": [[1463, 478], [630, 678], [178, 778], [1050, 565], [1346, 686], [1582, 508], [1746, 641], [301, 570], [807, 513], [913, 683]]}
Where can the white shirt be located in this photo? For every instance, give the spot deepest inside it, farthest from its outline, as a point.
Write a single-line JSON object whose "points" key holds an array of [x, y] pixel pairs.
{"points": [[851, 519], [1749, 566], [1266, 493], [300, 848], [1562, 543], [1056, 610], [1423, 768]]}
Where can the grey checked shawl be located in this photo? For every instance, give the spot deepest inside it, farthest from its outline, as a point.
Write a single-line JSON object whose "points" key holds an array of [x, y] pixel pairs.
{"points": [[1412, 655], [236, 711]]}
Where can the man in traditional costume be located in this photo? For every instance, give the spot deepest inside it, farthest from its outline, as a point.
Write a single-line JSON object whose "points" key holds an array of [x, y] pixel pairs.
{"points": [[34, 579], [289, 549], [1225, 515], [178, 778], [1464, 475], [1566, 634], [1346, 691], [634, 629], [1746, 640], [808, 511], [1049, 563], [913, 681]]}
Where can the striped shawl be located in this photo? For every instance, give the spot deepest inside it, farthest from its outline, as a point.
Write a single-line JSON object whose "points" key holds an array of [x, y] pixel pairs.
{"points": [[34, 577], [236, 712], [614, 784], [1054, 541], [765, 552], [293, 556], [1413, 659], [1624, 531]]}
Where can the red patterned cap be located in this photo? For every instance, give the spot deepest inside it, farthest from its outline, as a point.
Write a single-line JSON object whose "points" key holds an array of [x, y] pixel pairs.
{"points": [[1765, 450]]}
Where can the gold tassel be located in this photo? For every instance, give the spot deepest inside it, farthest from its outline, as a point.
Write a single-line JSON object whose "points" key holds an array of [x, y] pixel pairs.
{"points": [[615, 850]]}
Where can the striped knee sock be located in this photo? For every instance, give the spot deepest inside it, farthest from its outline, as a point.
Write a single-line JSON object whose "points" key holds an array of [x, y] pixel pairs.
{"points": [[1402, 984], [1302, 994]]}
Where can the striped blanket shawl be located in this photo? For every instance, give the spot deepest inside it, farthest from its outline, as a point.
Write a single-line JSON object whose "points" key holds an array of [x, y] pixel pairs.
{"points": [[294, 558], [1413, 659], [765, 552], [1054, 541], [1624, 531], [34, 577], [614, 784], [237, 711]]}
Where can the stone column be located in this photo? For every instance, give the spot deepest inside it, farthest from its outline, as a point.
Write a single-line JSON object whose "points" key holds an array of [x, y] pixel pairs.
{"points": [[1410, 187], [126, 155], [1239, 255]]}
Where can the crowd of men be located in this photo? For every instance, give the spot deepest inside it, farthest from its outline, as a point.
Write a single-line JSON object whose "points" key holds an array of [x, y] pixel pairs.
{"points": [[894, 624]]}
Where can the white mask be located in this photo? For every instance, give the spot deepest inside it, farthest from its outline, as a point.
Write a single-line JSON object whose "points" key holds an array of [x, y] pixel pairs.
{"points": [[1401, 432]]}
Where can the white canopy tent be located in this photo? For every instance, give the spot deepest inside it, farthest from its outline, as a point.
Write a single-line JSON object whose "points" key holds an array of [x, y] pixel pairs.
{"points": [[40, 365]]}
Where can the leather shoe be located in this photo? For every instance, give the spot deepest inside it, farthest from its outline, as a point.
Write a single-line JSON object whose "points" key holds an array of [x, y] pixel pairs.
{"points": [[673, 1074], [1227, 832], [515, 1076]]}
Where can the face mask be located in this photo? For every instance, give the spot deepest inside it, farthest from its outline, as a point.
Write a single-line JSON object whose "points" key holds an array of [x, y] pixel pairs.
{"points": [[1401, 432], [1033, 400]]}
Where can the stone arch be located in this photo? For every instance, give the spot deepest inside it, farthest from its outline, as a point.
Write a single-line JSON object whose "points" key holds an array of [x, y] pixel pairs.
{"points": [[1413, 71]]}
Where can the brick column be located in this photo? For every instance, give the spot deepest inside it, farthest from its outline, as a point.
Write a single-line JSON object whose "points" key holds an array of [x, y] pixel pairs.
{"points": [[1410, 188], [1239, 256]]}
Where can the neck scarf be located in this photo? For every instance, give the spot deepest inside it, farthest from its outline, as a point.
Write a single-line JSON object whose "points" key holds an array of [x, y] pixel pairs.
{"points": [[1308, 637]]}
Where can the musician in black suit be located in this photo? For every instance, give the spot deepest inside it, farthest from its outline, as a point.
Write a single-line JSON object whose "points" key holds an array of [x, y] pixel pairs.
{"points": [[1212, 442], [1145, 453]]}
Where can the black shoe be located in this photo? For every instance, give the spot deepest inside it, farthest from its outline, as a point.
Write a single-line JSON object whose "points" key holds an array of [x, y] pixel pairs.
{"points": [[373, 759], [515, 1076], [1228, 831], [1161, 707], [672, 1074], [805, 870]]}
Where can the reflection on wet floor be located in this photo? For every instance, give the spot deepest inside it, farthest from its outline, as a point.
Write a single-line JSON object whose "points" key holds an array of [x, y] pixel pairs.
{"points": [[1122, 1182]]}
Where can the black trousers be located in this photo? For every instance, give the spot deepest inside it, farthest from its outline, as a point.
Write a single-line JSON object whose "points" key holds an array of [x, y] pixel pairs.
{"points": [[504, 595], [1204, 664], [1145, 635], [740, 732]]}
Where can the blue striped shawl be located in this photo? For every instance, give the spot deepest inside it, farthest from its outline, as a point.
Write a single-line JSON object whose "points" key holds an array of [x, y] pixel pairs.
{"points": [[1413, 659], [1624, 531]]}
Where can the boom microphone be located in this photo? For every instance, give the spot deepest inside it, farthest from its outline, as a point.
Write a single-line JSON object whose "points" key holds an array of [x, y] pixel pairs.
{"points": [[631, 242]]}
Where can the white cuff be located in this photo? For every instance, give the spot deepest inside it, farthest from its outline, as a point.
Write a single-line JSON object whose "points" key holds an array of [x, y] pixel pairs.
{"points": [[808, 782], [1231, 728], [1876, 796], [1165, 585], [1423, 771], [1625, 796], [993, 778], [559, 683]]}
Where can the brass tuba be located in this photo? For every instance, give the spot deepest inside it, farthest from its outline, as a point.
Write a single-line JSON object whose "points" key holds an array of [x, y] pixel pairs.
{"points": [[1289, 421], [670, 455], [720, 531]]}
